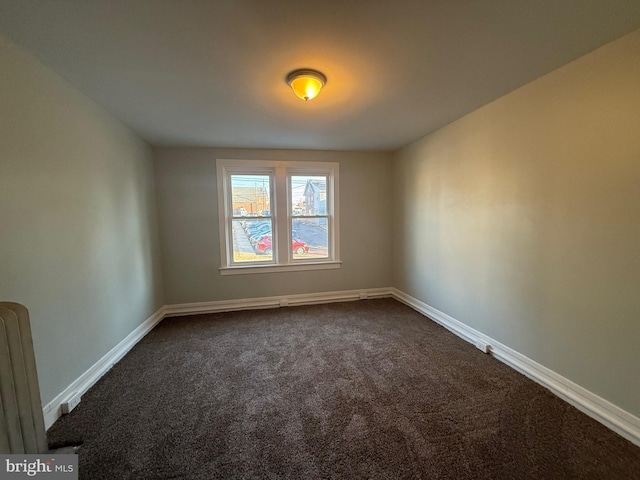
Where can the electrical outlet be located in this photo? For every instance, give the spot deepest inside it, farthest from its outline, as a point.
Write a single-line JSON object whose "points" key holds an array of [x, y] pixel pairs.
{"points": [[485, 347], [71, 403]]}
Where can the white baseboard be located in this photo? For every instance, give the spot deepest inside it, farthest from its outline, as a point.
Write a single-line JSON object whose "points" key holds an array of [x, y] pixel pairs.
{"points": [[605, 412], [274, 302], [53, 410]]}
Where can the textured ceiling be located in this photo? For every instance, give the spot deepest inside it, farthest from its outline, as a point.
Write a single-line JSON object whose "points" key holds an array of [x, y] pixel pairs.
{"points": [[212, 73]]}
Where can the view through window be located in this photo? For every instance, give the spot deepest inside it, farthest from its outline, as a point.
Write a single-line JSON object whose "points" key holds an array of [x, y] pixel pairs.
{"points": [[309, 219], [252, 225]]}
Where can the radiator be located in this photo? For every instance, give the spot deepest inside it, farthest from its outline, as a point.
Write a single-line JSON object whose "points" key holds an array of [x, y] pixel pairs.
{"points": [[21, 420]]}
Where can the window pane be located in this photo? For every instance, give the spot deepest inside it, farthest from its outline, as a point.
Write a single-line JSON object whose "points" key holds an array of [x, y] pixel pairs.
{"points": [[250, 195], [310, 238], [308, 195], [252, 240]]}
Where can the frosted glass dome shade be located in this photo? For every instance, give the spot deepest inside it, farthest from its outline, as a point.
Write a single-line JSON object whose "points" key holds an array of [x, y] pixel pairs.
{"points": [[306, 84]]}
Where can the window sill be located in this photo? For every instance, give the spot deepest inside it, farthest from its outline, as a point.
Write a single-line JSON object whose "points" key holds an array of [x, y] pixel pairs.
{"points": [[251, 269]]}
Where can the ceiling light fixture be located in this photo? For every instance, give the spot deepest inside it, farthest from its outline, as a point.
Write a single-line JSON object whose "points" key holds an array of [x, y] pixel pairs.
{"points": [[306, 83]]}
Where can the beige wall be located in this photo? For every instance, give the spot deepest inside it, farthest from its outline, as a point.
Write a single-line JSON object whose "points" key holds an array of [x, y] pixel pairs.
{"points": [[188, 206], [522, 220], [77, 210]]}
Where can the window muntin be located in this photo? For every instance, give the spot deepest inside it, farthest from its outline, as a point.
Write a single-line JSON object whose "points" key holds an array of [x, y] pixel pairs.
{"points": [[262, 202]]}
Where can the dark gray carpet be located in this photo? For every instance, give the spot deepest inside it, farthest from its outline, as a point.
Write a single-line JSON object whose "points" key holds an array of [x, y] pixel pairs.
{"points": [[367, 389]]}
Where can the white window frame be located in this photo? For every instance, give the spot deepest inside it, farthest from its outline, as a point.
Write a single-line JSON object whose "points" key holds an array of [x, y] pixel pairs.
{"points": [[280, 173]]}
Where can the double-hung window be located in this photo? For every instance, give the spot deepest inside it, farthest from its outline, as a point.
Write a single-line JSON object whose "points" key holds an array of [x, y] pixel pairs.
{"points": [[277, 216]]}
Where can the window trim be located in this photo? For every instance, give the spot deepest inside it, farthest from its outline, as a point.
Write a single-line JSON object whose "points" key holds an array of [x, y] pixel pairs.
{"points": [[280, 214]]}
